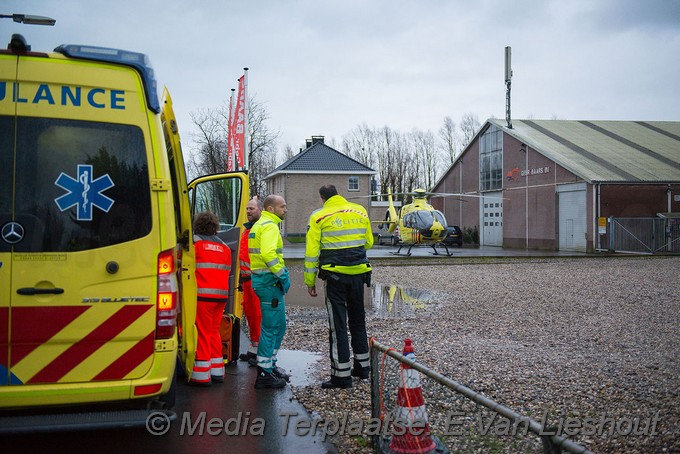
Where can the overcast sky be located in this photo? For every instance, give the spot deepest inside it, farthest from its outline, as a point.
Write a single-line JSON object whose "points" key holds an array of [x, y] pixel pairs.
{"points": [[323, 67]]}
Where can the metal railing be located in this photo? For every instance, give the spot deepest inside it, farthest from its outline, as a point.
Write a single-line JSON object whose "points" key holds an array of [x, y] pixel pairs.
{"points": [[551, 442]]}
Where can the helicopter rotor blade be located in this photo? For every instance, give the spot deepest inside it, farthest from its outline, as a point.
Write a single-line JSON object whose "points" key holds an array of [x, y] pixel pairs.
{"points": [[459, 194], [425, 194]]}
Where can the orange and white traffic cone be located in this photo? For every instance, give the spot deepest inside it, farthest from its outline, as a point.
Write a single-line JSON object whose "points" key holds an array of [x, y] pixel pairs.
{"points": [[411, 432]]}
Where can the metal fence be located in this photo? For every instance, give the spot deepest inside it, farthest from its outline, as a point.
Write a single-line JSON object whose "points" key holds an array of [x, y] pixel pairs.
{"points": [[642, 235], [456, 419]]}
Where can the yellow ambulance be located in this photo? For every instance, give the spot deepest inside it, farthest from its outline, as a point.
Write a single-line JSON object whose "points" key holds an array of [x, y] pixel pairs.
{"points": [[97, 289]]}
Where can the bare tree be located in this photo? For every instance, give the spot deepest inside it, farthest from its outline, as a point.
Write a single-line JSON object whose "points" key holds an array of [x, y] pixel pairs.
{"points": [[425, 155], [360, 144], [210, 140], [209, 154], [405, 162], [469, 125], [288, 153], [449, 137], [262, 152]]}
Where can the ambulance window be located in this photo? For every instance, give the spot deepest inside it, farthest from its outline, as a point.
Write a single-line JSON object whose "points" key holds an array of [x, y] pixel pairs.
{"points": [[80, 185], [6, 151], [222, 197]]}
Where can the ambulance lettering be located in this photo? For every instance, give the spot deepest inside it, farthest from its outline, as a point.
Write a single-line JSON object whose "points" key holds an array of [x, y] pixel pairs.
{"points": [[124, 299], [84, 192], [99, 98]]}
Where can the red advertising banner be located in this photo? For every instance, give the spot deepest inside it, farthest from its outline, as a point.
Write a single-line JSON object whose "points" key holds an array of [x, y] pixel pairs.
{"points": [[239, 124]]}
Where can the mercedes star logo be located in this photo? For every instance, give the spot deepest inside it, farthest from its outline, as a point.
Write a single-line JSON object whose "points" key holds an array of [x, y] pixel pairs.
{"points": [[12, 232]]}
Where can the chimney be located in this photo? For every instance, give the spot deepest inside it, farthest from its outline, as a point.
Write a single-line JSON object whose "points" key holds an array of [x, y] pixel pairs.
{"points": [[317, 139], [308, 143]]}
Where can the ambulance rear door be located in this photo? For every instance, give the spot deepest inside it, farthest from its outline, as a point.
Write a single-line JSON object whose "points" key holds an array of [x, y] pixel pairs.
{"points": [[225, 194]]}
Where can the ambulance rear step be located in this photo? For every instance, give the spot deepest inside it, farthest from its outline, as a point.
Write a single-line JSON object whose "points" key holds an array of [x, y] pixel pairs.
{"points": [[81, 421]]}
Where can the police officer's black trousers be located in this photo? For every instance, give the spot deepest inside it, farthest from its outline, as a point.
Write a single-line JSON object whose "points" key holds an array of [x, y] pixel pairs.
{"points": [[345, 306]]}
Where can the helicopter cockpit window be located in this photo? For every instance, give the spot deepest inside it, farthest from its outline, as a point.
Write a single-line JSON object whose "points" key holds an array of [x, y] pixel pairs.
{"points": [[418, 220], [439, 217]]}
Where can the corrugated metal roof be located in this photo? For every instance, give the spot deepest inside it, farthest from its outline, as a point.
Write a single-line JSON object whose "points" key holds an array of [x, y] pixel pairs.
{"points": [[320, 158], [605, 151]]}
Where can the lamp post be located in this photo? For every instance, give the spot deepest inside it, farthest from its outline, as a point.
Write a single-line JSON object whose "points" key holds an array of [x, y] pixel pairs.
{"points": [[29, 19]]}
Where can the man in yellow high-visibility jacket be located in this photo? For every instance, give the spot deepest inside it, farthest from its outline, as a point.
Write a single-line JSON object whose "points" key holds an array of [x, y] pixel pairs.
{"points": [[270, 282], [338, 236]]}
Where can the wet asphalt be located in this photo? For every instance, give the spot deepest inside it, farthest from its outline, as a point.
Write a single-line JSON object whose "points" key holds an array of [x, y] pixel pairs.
{"points": [[234, 416]]}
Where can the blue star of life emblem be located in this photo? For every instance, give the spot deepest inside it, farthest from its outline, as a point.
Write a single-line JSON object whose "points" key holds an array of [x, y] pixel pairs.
{"points": [[84, 192]]}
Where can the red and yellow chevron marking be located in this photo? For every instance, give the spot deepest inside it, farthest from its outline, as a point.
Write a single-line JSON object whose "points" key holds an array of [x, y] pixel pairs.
{"points": [[4, 337], [76, 344]]}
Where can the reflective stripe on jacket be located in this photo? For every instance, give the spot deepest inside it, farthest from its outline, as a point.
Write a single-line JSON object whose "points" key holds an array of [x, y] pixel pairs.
{"points": [[243, 256], [337, 238], [265, 247], [213, 266]]}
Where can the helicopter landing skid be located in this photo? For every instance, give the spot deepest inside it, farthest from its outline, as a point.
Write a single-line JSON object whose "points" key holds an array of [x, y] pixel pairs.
{"points": [[436, 252], [408, 253]]}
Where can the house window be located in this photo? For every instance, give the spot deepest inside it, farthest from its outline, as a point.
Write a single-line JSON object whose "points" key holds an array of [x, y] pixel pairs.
{"points": [[491, 159], [353, 184]]}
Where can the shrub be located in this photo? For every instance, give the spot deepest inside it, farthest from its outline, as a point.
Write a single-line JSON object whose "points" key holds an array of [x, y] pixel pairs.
{"points": [[470, 235]]}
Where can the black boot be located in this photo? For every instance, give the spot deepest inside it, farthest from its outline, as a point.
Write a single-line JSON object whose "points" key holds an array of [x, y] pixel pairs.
{"points": [[246, 356], [280, 373], [268, 380], [360, 373], [342, 383]]}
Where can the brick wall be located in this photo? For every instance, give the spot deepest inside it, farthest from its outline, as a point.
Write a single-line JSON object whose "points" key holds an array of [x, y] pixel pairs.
{"points": [[301, 192]]}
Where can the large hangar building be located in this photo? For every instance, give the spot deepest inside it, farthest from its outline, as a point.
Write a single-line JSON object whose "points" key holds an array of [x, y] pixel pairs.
{"points": [[564, 184]]}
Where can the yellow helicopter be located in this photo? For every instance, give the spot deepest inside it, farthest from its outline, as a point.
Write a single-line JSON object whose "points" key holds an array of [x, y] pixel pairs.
{"points": [[416, 223]]}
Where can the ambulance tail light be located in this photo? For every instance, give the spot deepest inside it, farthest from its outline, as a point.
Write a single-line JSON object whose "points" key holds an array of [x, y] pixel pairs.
{"points": [[167, 296]]}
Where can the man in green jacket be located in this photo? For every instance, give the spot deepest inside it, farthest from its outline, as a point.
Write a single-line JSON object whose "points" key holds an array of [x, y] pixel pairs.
{"points": [[270, 283]]}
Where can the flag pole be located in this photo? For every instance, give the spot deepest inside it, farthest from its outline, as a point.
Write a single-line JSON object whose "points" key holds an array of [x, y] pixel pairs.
{"points": [[246, 136], [230, 134], [232, 154]]}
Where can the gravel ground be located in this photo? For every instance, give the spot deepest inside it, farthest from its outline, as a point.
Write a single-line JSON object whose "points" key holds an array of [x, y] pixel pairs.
{"points": [[556, 338]]}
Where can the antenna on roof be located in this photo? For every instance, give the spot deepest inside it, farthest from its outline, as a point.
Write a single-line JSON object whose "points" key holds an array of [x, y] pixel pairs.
{"points": [[508, 81]]}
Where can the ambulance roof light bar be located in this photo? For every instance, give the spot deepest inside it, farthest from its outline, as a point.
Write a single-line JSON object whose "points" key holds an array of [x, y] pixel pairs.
{"points": [[29, 19], [136, 60]]}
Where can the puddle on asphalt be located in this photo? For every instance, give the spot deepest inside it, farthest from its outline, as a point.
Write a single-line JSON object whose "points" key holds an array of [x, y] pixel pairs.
{"points": [[385, 300], [299, 365], [393, 301]]}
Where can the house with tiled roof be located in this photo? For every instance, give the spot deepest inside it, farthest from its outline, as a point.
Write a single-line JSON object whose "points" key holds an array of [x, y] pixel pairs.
{"points": [[569, 185], [298, 180]]}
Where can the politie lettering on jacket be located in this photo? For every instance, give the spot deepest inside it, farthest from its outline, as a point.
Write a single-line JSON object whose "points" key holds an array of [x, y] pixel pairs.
{"points": [[340, 222], [63, 95]]}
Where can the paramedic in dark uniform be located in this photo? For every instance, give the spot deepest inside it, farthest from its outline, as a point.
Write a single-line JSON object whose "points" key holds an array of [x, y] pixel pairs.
{"points": [[338, 236]]}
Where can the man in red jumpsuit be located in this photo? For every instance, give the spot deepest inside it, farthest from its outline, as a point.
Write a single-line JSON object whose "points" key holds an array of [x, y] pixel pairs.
{"points": [[213, 266], [251, 304]]}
